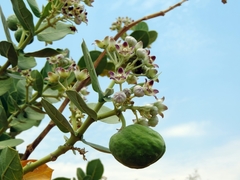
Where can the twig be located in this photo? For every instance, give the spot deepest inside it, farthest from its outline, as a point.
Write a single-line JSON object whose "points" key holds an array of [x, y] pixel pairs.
{"points": [[30, 148]]}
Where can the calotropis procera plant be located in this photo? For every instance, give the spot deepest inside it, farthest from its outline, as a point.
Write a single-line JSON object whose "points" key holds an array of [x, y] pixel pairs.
{"points": [[27, 95]]}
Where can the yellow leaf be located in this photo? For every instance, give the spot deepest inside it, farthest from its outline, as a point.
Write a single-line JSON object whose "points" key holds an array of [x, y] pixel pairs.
{"points": [[43, 172]]}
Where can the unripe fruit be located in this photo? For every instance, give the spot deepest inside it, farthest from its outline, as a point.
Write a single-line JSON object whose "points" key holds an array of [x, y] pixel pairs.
{"points": [[137, 146], [12, 22]]}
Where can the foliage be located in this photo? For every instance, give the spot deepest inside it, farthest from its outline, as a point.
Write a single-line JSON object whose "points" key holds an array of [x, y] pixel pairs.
{"points": [[27, 95]]}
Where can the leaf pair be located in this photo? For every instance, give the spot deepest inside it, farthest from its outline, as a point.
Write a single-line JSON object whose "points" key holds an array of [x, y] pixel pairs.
{"points": [[141, 33], [94, 171]]}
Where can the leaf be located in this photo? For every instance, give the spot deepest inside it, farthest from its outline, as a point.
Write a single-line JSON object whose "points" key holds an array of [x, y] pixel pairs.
{"points": [[61, 178], [88, 177], [59, 31], [34, 7], [42, 172], [47, 67], [16, 76], [152, 36], [21, 124], [3, 117], [5, 27], [24, 15], [109, 120], [57, 117], [95, 169], [97, 147], [80, 174], [81, 104], [38, 81], [141, 26], [5, 85], [91, 70], [51, 92], [7, 50], [94, 55], [46, 10], [47, 52], [10, 166], [10, 143], [26, 62], [141, 35]]}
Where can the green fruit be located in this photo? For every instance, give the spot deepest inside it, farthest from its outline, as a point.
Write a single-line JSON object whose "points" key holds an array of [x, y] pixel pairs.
{"points": [[137, 146], [18, 34], [12, 22]]}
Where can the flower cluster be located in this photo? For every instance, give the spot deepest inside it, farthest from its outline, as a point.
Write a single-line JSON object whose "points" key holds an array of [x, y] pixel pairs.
{"points": [[149, 113], [131, 62], [64, 68], [131, 56], [121, 21], [72, 9]]}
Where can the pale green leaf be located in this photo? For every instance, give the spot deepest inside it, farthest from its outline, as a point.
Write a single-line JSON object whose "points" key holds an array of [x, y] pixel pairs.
{"points": [[10, 166], [57, 117]]}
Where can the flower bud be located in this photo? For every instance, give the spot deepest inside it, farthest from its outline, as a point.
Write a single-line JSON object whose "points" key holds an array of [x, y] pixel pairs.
{"points": [[131, 41], [128, 92], [141, 53], [53, 77], [152, 73], [153, 121], [119, 97], [142, 121], [138, 91], [131, 79]]}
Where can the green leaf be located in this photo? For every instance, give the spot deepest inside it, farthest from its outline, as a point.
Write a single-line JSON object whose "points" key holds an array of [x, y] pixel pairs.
{"points": [[10, 166], [10, 143], [95, 169], [34, 7], [109, 120], [152, 36], [47, 67], [57, 117], [80, 174], [24, 15], [97, 147], [59, 31], [94, 55], [51, 92], [81, 104], [88, 177], [38, 81], [141, 26], [141, 35], [33, 114], [5, 27], [3, 117], [47, 52], [61, 178], [4, 136], [26, 120], [26, 62], [91, 70], [46, 10], [7, 50], [5, 85], [16, 76]]}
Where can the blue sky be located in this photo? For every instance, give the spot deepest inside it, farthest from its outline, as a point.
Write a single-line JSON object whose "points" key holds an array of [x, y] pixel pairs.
{"points": [[198, 54]]}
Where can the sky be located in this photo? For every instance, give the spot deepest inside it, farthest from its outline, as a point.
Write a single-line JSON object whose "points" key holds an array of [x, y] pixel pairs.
{"points": [[198, 54]]}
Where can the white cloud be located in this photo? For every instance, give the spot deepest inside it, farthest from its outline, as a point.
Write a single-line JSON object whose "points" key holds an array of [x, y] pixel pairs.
{"points": [[190, 129]]}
